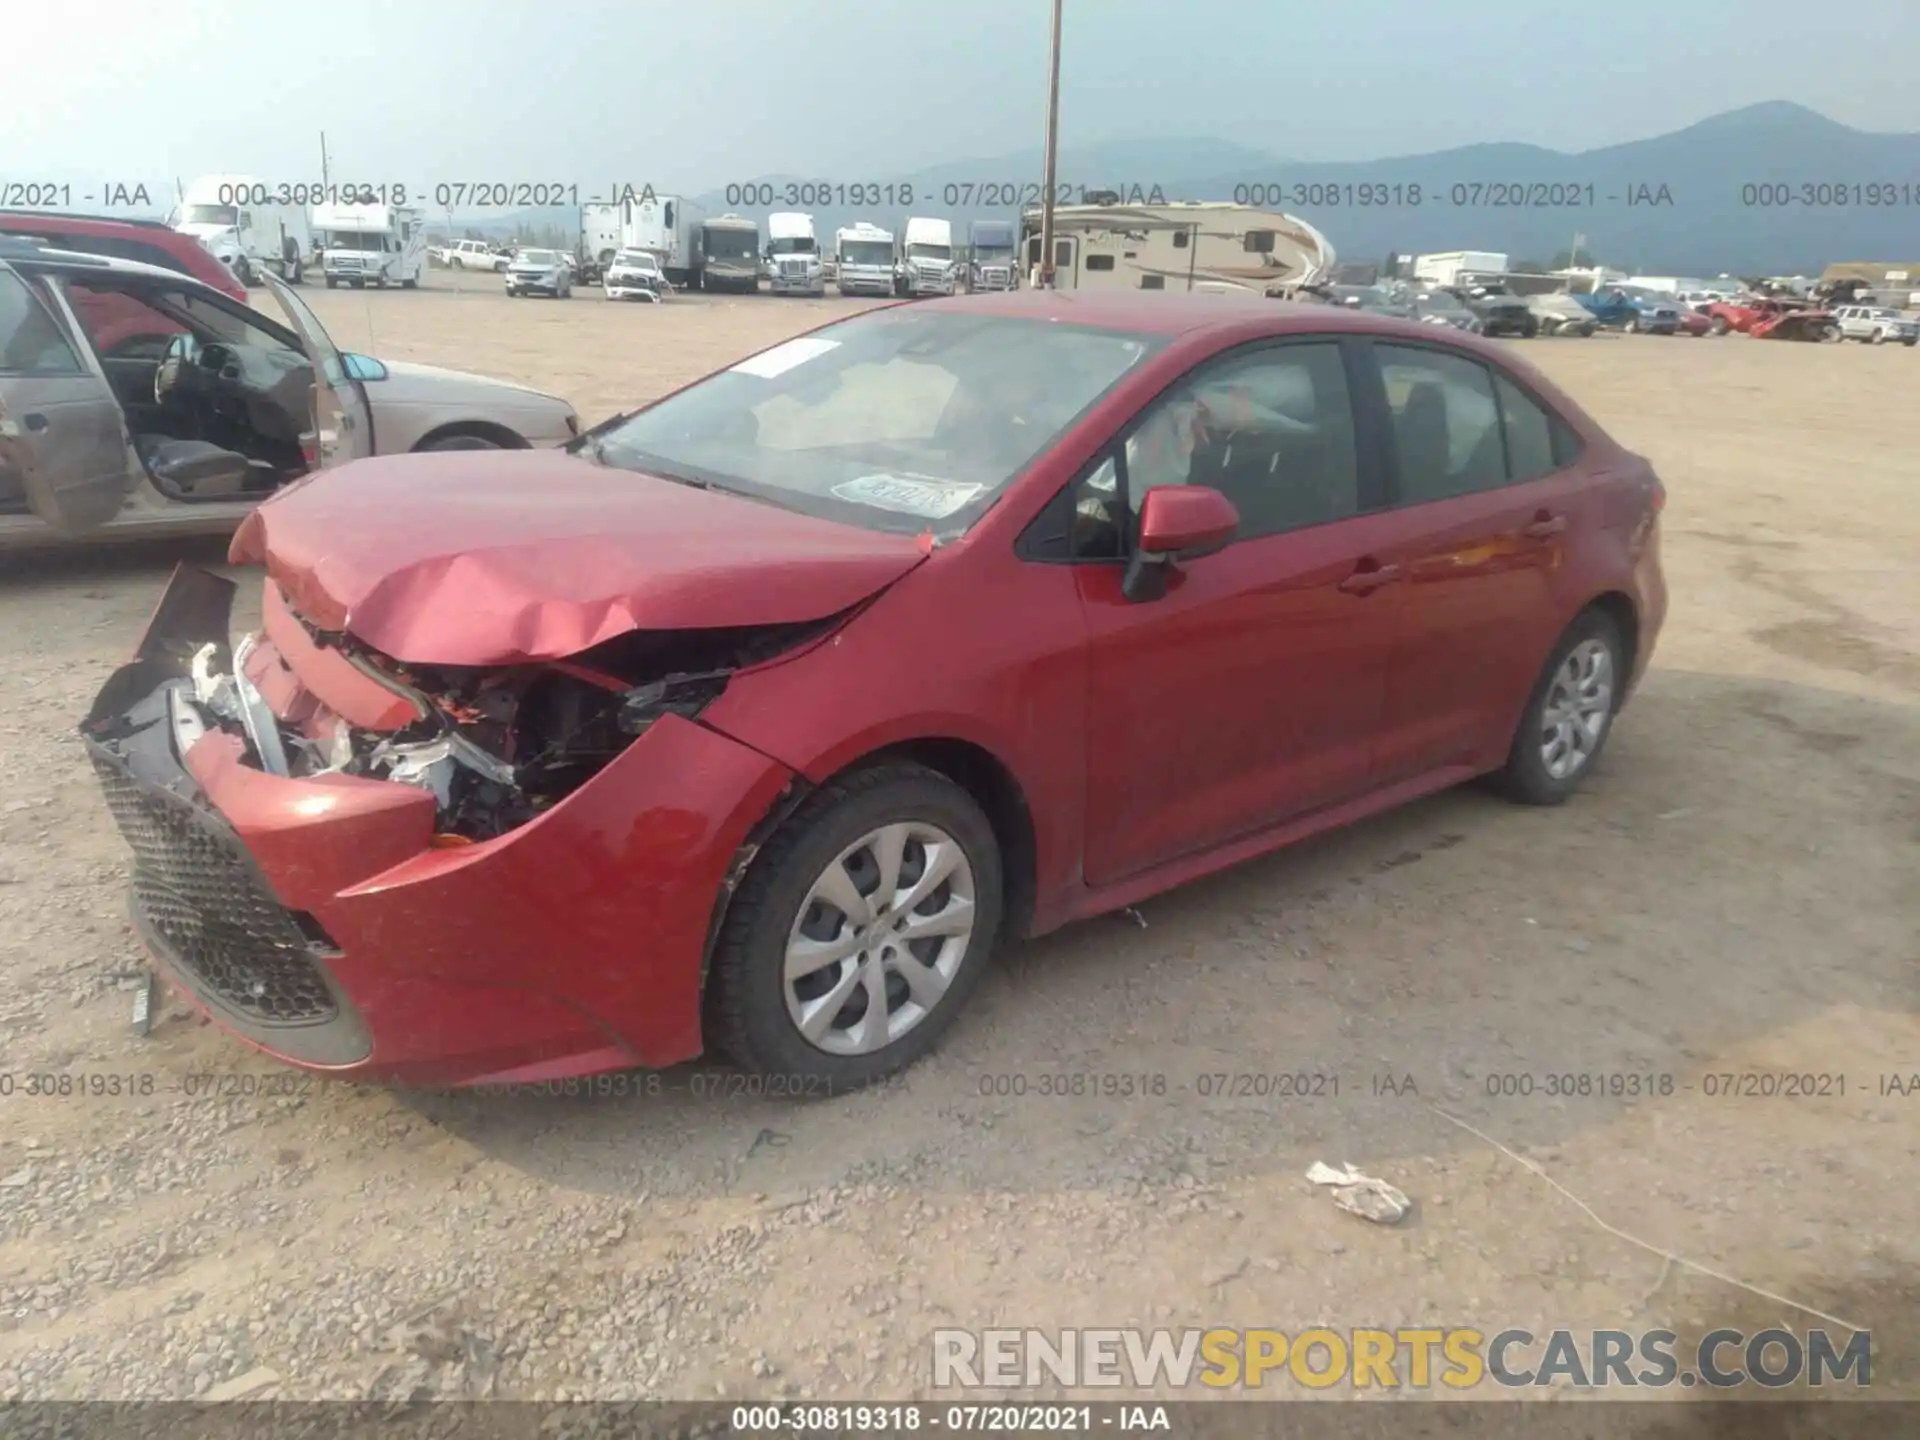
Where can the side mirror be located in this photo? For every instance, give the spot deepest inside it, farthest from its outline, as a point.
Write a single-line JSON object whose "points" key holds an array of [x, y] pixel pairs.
{"points": [[362, 367], [1177, 522]]}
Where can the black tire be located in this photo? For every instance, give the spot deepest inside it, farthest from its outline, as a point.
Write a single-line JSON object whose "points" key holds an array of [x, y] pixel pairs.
{"points": [[243, 270], [1525, 777], [463, 442], [1720, 325], [332, 284], [411, 283], [358, 284], [1631, 325], [746, 1006]]}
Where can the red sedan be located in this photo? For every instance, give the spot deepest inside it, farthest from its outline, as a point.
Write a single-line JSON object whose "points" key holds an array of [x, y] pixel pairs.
{"points": [[757, 720]]}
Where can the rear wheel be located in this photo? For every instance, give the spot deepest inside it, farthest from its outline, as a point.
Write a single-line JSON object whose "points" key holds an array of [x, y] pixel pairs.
{"points": [[1569, 714], [1879, 336], [859, 931], [1720, 325], [1632, 327]]}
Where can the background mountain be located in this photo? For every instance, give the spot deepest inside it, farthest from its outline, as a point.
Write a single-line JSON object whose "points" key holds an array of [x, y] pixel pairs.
{"points": [[1694, 213]]}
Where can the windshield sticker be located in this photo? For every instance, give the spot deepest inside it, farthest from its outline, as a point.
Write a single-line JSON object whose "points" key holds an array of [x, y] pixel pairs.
{"points": [[911, 495], [783, 358]]}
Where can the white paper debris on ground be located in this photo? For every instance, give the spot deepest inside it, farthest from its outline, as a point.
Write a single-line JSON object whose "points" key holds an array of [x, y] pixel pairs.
{"points": [[1362, 1195]]}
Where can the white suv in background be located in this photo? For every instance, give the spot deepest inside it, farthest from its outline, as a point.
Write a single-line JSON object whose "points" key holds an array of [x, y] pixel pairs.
{"points": [[1876, 325], [472, 255]]}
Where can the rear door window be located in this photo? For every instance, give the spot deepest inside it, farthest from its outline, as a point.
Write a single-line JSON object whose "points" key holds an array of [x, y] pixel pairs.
{"points": [[1444, 423]]}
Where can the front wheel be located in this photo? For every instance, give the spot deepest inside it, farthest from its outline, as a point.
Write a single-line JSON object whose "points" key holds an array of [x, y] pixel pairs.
{"points": [[1568, 715], [332, 284], [463, 442], [1879, 337], [1720, 325], [1911, 341], [859, 931], [1632, 326]]}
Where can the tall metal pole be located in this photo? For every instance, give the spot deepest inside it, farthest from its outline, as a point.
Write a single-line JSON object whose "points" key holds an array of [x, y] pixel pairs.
{"points": [[1053, 150], [326, 178]]}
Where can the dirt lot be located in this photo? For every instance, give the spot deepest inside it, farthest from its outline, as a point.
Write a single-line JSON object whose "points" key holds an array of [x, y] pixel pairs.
{"points": [[1735, 892]]}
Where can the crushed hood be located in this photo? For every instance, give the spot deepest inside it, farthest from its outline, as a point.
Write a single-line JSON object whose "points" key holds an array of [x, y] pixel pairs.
{"points": [[475, 557]]}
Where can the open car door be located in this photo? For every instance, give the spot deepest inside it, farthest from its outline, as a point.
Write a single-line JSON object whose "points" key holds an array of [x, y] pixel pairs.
{"points": [[63, 438], [342, 416]]}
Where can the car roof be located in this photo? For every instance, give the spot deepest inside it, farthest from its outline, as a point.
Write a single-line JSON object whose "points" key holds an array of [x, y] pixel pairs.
{"points": [[72, 219], [1159, 313], [22, 252]]}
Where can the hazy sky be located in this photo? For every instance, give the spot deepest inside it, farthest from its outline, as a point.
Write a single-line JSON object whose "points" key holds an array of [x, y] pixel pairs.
{"points": [[694, 94]]}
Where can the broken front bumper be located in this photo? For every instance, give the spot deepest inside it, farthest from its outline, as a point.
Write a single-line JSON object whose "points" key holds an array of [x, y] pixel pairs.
{"points": [[313, 917]]}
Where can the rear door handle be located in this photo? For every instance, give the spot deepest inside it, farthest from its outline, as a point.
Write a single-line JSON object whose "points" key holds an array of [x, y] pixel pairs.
{"points": [[1544, 526], [1368, 578]]}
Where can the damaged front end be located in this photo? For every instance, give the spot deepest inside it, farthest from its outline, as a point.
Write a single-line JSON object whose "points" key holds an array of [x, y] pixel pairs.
{"points": [[496, 747]]}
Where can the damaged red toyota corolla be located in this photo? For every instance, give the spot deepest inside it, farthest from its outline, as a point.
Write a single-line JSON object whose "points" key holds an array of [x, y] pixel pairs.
{"points": [[753, 722]]}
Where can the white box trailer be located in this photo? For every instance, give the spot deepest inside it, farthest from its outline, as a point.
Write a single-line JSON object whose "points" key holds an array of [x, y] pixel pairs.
{"points": [[600, 233], [246, 227], [669, 226], [377, 245], [1446, 267]]}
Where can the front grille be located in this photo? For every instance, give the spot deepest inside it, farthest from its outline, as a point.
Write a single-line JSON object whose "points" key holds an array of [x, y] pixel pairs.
{"points": [[200, 899]]}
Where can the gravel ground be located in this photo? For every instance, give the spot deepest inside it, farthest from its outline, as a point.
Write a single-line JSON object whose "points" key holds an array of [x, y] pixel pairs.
{"points": [[1735, 892]]}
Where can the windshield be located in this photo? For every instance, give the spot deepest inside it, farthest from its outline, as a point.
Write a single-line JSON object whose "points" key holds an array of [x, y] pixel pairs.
{"points": [[1440, 300], [793, 245], [890, 421], [212, 215], [636, 260], [866, 252], [731, 244], [538, 257], [930, 252], [355, 240]]}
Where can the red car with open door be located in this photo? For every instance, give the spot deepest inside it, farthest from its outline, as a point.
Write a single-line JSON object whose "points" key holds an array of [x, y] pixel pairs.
{"points": [[754, 722]]}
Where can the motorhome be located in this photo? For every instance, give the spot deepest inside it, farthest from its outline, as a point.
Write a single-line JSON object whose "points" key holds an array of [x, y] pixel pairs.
{"points": [[864, 259], [239, 220], [926, 258], [1185, 245], [670, 227], [992, 259], [730, 254], [793, 256], [378, 245]]}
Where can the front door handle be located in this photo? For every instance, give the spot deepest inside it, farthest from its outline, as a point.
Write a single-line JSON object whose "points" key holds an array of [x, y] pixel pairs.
{"points": [[34, 420], [1544, 526], [1368, 578]]}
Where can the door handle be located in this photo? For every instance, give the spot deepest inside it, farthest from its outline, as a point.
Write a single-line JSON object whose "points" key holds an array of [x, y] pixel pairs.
{"points": [[1368, 578], [34, 420], [1544, 526]]}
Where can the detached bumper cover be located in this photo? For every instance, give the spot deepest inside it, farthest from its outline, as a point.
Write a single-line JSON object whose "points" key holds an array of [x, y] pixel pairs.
{"points": [[312, 919]]}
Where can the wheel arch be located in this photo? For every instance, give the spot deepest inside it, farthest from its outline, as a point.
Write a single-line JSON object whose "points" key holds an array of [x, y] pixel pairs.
{"points": [[986, 778], [478, 429], [1618, 607]]}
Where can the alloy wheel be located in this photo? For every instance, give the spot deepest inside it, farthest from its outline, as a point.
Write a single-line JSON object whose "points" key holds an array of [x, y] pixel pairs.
{"points": [[1577, 707], [879, 938]]}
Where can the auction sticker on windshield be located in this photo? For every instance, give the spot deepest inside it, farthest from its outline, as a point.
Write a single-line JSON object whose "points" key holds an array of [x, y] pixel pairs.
{"points": [[915, 495], [782, 358]]}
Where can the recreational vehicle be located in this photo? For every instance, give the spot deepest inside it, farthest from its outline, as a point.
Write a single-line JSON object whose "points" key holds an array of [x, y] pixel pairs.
{"points": [[378, 245], [237, 218], [864, 259], [1186, 245], [730, 254]]}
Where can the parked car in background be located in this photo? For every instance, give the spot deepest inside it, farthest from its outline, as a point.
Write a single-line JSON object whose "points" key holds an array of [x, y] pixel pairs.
{"points": [[1634, 312], [471, 255], [540, 272], [1500, 313], [148, 241], [1768, 317], [635, 275], [1442, 307], [592, 770], [1561, 314], [1876, 325], [136, 401]]}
